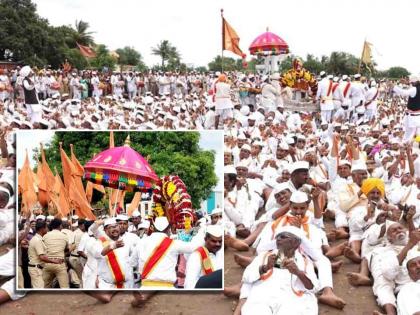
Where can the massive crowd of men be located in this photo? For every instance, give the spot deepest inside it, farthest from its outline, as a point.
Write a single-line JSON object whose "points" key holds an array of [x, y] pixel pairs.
{"points": [[287, 174], [355, 162]]}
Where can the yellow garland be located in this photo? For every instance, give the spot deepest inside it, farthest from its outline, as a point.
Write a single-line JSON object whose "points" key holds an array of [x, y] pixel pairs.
{"points": [[187, 224], [157, 208], [170, 189]]}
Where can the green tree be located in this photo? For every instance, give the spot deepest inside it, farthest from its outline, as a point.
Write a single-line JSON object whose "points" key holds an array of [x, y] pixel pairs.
{"points": [[397, 72], [76, 59], [341, 63], [23, 34], [81, 34], [201, 69], [128, 56], [229, 64], [176, 153], [102, 59], [166, 51], [286, 64], [313, 64]]}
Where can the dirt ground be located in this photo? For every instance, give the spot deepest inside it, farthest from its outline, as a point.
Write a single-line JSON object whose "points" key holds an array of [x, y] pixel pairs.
{"points": [[359, 301]]}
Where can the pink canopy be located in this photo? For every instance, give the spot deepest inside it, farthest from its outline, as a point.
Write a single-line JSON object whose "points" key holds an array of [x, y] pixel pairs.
{"points": [[121, 168], [268, 42]]}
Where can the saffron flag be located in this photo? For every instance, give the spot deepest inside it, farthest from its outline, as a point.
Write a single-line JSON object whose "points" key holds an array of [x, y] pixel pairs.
{"points": [[86, 51], [89, 190], [367, 53], [46, 180], [61, 198], [77, 198], [230, 39], [43, 197], [26, 186]]}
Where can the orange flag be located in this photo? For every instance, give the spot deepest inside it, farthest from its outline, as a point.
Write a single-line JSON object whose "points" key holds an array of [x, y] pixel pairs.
{"points": [[134, 203], [230, 40], [43, 197], [26, 186], [46, 180], [77, 199], [78, 173], [86, 51], [62, 201], [89, 190]]}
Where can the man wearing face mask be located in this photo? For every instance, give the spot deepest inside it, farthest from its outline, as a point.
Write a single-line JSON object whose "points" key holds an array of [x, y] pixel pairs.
{"points": [[31, 98]]}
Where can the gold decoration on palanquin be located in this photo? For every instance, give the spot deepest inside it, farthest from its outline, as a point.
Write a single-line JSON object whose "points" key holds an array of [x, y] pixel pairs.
{"points": [[108, 159], [138, 165]]}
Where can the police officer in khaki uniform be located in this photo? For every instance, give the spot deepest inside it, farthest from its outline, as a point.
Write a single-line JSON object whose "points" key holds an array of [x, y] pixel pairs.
{"points": [[56, 244], [37, 256], [74, 259]]}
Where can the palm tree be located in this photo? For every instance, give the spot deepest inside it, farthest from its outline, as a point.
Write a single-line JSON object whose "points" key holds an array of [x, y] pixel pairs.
{"points": [[82, 36], [166, 51]]}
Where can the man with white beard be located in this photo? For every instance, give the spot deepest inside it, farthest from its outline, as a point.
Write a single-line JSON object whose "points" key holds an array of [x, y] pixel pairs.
{"points": [[388, 265]]}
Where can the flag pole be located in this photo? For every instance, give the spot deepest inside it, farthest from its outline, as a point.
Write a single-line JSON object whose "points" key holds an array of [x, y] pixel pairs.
{"points": [[223, 34], [361, 57]]}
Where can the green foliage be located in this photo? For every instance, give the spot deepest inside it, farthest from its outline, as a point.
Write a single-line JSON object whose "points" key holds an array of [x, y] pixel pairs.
{"points": [[229, 64], [201, 69], [397, 72], [81, 34], [128, 56], [176, 153], [75, 58], [166, 52], [23, 34], [102, 59]]}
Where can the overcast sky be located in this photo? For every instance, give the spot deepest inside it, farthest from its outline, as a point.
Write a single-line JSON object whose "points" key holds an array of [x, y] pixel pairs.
{"points": [[194, 27], [29, 140]]}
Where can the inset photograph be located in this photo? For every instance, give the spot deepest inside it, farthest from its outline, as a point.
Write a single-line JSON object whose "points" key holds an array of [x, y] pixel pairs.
{"points": [[123, 210]]}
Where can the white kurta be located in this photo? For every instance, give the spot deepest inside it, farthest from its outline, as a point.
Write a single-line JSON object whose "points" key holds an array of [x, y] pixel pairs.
{"points": [[164, 270], [408, 300], [105, 275], [275, 295], [194, 268]]}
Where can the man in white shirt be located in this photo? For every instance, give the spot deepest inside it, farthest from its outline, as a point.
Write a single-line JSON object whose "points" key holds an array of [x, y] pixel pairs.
{"points": [[408, 300], [224, 106], [412, 121], [158, 257], [205, 259], [114, 269]]}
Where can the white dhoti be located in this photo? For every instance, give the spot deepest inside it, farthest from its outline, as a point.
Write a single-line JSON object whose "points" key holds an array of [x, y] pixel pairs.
{"points": [[411, 126], [327, 106], [89, 276], [34, 112], [382, 287], [9, 287]]}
